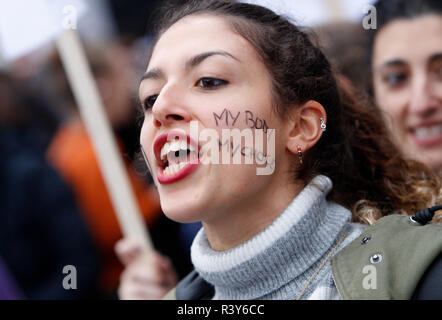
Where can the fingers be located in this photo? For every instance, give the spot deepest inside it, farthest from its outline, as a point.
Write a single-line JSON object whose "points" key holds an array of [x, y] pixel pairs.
{"points": [[165, 269], [142, 292], [150, 272], [128, 250], [149, 279]]}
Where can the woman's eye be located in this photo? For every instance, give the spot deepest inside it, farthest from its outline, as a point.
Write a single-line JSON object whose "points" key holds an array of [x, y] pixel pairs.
{"points": [[150, 101], [395, 78], [210, 83]]}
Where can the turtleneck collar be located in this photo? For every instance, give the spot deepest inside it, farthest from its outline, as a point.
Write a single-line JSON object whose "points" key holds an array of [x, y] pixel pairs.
{"points": [[285, 252]]}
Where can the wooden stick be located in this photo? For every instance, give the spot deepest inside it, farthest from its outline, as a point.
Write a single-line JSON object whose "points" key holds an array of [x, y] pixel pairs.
{"points": [[3, 65], [92, 112]]}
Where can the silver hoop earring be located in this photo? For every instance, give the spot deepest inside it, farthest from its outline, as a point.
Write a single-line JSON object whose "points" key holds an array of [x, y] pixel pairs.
{"points": [[323, 125]]}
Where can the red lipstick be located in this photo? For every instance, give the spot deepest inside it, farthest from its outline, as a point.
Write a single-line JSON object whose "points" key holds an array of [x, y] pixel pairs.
{"points": [[175, 172]]}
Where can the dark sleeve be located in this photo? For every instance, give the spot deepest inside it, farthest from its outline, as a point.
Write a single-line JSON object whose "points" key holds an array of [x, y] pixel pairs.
{"points": [[70, 242], [8, 288], [430, 285], [193, 287]]}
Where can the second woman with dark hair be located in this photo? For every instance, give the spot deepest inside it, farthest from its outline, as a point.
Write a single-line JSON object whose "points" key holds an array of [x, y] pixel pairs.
{"points": [[220, 64], [406, 63]]}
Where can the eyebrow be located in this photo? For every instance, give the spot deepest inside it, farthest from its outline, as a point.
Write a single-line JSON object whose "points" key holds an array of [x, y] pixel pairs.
{"points": [[152, 74], [400, 62], [196, 60], [156, 73], [392, 63], [435, 57]]}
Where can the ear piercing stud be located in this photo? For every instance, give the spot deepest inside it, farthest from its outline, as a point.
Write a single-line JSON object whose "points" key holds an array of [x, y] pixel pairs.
{"points": [[323, 125], [300, 154]]}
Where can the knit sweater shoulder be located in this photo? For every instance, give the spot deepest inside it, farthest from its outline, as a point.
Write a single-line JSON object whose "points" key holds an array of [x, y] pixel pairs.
{"points": [[278, 262]]}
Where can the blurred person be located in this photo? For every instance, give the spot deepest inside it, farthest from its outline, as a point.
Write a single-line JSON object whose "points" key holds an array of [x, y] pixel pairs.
{"points": [[345, 44], [41, 229], [72, 153], [131, 18], [406, 65]]}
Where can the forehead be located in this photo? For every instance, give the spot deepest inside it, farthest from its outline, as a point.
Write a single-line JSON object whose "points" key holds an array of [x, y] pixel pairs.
{"points": [[195, 34], [409, 39]]}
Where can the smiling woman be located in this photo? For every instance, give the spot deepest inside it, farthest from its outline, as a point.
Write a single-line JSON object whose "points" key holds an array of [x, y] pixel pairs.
{"points": [[271, 236], [407, 75]]}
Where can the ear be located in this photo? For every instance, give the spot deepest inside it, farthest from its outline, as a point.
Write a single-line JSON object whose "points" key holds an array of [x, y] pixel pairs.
{"points": [[306, 129]]}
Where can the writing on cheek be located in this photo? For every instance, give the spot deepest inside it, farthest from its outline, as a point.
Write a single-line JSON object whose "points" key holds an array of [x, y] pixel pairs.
{"points": [[228, 116], [256, 123], [249, 118], [246, 151]]}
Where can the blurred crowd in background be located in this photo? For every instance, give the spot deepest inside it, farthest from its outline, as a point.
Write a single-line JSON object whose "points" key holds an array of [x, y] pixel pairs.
{"points": [[54, 206]]}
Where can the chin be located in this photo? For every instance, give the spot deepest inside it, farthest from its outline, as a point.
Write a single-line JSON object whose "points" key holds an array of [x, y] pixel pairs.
{"points": [[432, 161], [183, 209]]}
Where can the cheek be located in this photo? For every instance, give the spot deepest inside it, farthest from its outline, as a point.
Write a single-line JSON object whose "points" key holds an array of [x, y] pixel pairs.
{"points": [[146, 135], [437, 89], [391, 102], [245, 116]]}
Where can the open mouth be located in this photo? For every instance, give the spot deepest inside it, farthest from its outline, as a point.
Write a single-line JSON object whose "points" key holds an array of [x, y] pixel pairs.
{"points": [[177, 156], [427, 135]]}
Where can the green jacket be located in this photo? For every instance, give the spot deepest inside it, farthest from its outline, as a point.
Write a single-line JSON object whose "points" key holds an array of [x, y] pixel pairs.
{"points": [[386, 261]]}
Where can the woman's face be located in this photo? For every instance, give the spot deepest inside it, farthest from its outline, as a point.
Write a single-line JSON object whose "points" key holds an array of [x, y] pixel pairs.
{"points": [[407, 70], [202, 71]]}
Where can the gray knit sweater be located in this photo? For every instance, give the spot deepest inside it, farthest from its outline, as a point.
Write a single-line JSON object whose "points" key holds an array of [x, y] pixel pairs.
{"points": [[278, 262]]}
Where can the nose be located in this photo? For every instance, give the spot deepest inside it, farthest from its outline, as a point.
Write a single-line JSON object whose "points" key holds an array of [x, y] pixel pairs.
{"points": [[170, 107], [424, 99]]}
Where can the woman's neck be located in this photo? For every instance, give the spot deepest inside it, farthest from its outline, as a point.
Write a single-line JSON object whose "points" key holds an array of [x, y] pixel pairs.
{"points": [[279, 261], [238, 224]]}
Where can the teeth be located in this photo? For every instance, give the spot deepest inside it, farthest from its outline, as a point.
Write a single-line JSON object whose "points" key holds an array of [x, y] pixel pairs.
{"points": [[164, 151], [428, 131], [174, 168], [175, 146]]}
